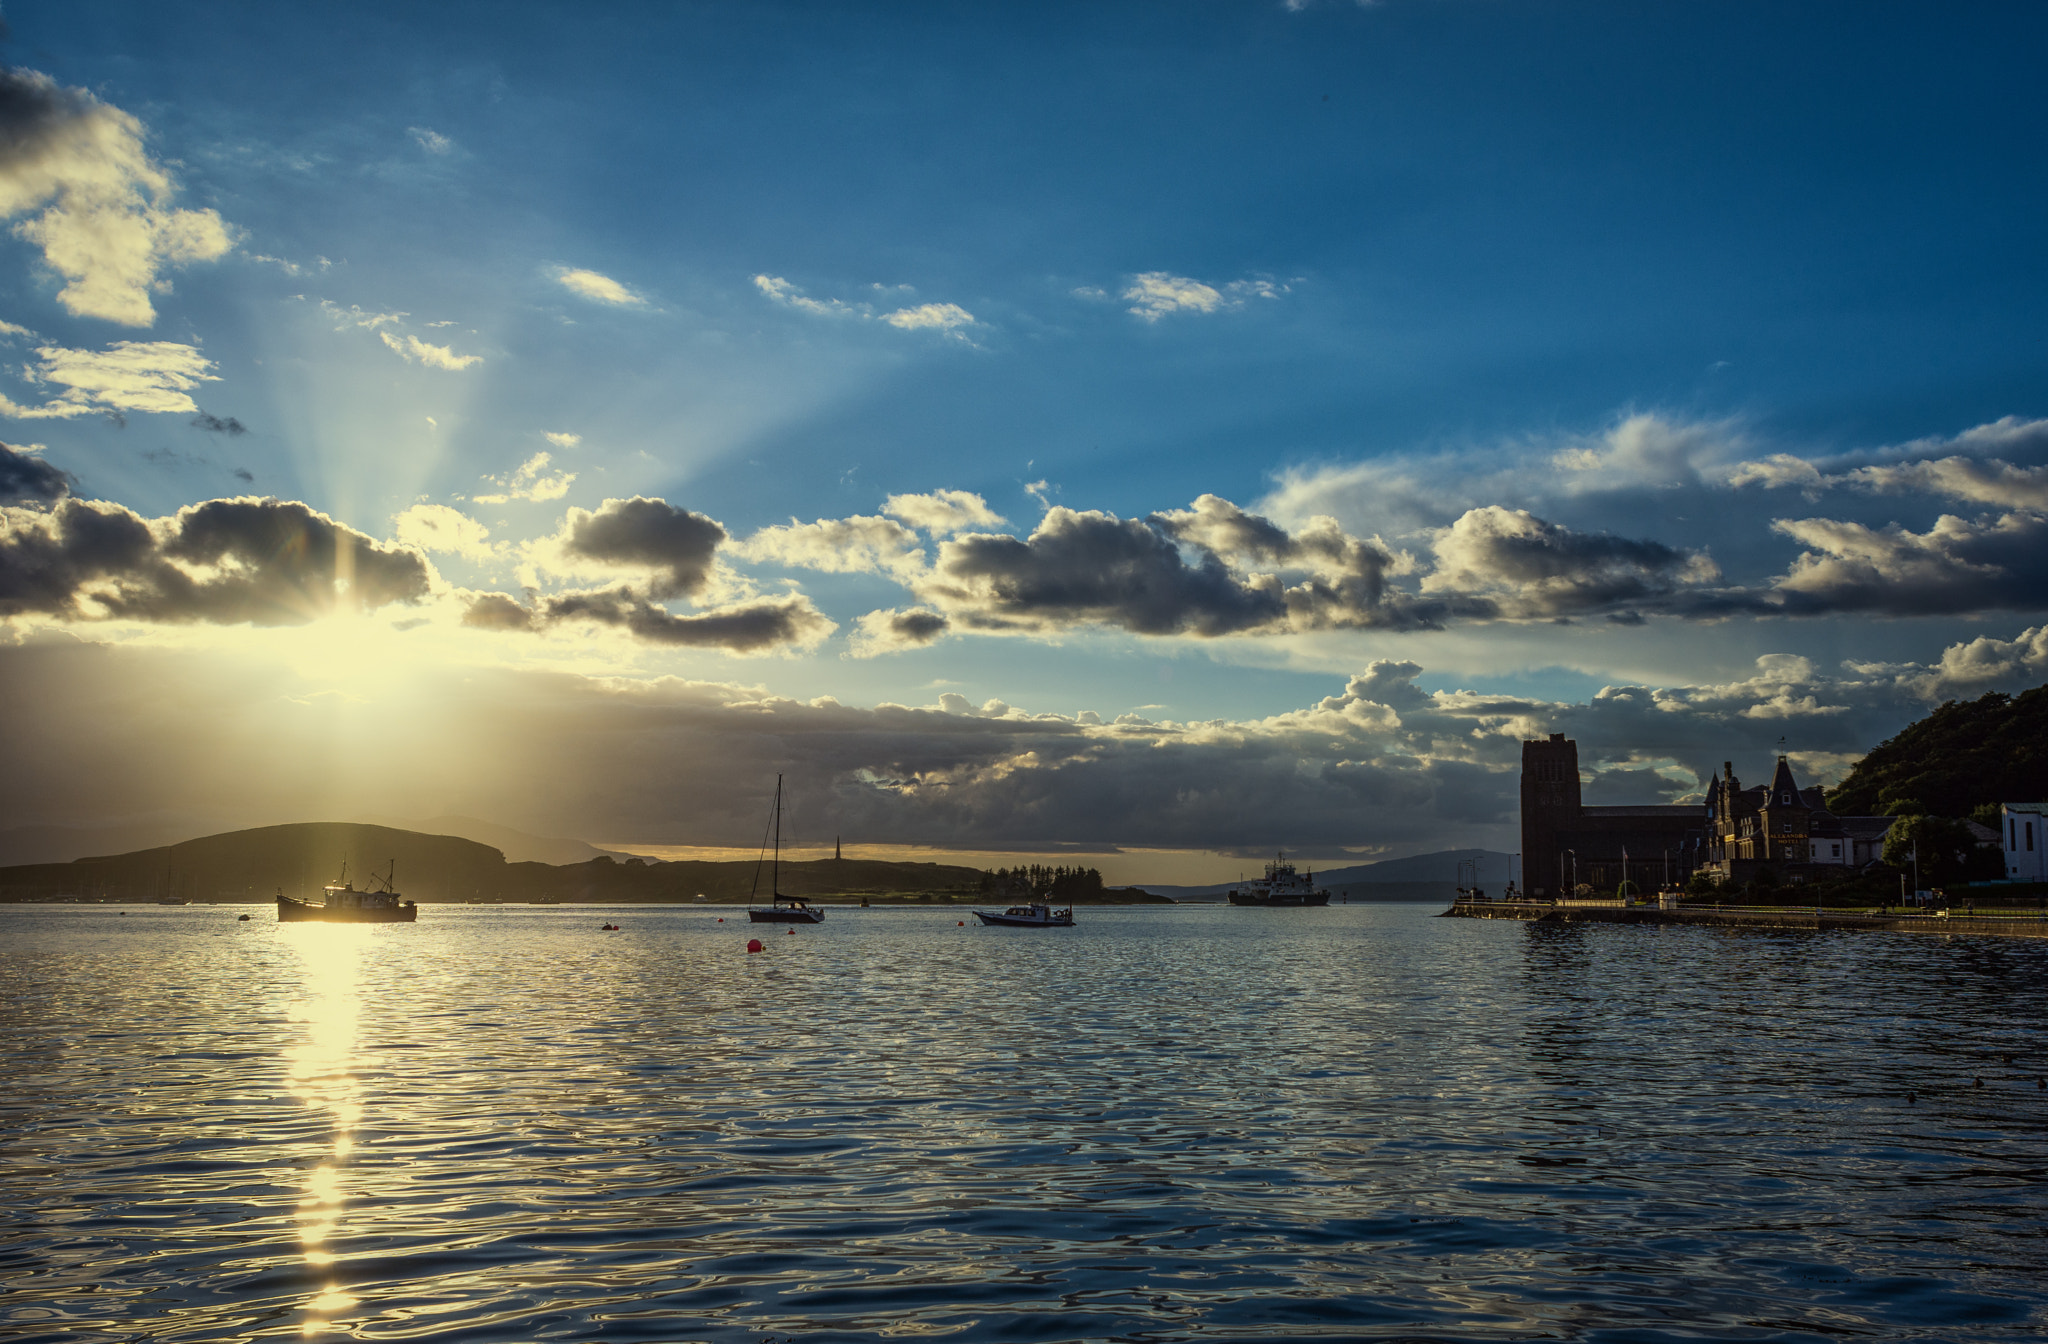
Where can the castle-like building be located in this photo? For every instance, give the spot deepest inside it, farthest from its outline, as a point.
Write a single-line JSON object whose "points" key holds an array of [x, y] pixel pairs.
{"points": [[1733, 836]]}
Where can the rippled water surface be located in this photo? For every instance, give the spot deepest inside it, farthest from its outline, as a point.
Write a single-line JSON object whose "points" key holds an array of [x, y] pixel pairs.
{"points": [[1185, 1123]]}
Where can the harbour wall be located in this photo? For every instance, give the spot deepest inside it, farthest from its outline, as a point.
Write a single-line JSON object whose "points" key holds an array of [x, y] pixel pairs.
{"points": [[2002, 923]]}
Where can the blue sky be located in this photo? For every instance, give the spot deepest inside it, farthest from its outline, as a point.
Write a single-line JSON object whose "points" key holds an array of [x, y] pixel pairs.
{"points": [[1622, 347]]}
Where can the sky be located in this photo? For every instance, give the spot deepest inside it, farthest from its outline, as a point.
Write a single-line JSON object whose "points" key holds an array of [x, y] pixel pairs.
{"points": [[1153, 434]]}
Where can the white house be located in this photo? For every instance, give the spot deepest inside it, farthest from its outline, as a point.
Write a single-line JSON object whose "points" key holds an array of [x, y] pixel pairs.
{"points": [[2026, 841]]}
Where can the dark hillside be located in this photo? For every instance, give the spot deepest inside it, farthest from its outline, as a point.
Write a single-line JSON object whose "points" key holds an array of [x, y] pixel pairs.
{"points": [[1993, 749]]}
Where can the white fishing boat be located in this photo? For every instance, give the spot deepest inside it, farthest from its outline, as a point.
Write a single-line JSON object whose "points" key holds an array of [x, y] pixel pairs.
{"points": [[1281, 886], [1032, 916]]}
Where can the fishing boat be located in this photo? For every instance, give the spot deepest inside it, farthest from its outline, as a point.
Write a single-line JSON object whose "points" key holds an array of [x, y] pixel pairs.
{"points": [[343, 904], [1281, 886], [781, 909], [1033, 916]]}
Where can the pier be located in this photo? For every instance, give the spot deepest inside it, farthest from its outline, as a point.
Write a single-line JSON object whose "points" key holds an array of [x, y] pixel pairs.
{"points": [[1996, 923]]}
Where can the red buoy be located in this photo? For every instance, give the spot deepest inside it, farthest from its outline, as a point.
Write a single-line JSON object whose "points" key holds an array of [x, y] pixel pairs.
{"points": [[721, 919], [961, 922], [753, 944], [789, 930]]}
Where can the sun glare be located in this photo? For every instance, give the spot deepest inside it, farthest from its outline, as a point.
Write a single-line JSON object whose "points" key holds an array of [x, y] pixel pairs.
{"points": [[321, 1076]]}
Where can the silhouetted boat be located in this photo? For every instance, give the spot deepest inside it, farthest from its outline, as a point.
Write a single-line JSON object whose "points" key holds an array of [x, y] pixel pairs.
{"points": [[1281, 885], [1032, 916], [343, 904], [782, 909]]}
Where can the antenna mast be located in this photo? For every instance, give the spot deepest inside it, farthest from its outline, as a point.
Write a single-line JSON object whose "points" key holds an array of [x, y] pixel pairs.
{"points": [[775, 871]]}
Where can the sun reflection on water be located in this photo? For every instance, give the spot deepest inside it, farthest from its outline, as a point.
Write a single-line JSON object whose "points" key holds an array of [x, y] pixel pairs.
{"points": [[321, 1077]]}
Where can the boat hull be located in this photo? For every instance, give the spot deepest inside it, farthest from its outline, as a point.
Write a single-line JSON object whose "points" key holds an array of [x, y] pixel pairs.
{"points": [[1311, 898], [1024, 922], [787, 916], [290, 911]]}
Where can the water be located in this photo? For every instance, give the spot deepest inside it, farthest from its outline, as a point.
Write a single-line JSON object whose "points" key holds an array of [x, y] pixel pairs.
{"points": [[1166, 1124]]}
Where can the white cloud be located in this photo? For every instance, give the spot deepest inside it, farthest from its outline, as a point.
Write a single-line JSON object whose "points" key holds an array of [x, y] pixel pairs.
{"points": [[352, 316], [436, 527], [1155, 294], [943, 512], [930, 317], [430, 140], [10, 330], [857, 545], [563, 440], [152, 377], [891, 631], [531, 480], [1972, 480], [788, 295], [417, 351], [105, 223], [598, 287]]}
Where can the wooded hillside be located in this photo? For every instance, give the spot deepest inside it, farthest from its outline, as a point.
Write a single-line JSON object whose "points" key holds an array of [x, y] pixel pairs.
{"points": [[1968, 753]]}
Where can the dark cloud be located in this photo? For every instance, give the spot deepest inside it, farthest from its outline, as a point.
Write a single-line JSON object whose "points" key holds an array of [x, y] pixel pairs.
{"points": [[34, 114], [1958, 565], [214, 424], [227, 561], [27, 479], [747, 627], [1531, 567], [652, 534], [244, 475]]}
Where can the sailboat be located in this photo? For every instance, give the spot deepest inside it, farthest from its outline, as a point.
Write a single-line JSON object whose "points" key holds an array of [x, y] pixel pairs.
{"points": [[783, 909]]}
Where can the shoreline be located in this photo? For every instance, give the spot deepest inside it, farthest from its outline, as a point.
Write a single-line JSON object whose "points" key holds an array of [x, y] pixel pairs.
{"points": [[2004, 924]]}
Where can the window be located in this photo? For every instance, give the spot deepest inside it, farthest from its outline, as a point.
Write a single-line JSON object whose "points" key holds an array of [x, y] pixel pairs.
{"points": [[1838, 851], [2030, 837]]}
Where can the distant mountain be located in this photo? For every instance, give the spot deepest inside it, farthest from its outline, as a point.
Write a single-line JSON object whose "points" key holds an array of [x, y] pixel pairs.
{"points": [[1993, 749], [301, 858], [516, 846], [1424, 876], [62, 844]]}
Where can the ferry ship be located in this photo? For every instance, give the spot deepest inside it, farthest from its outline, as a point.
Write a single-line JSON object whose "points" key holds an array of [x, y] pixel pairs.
{"points": [[1281, 885]]}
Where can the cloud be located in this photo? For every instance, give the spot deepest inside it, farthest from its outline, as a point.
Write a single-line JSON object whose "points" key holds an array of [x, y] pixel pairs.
{"points": [[946, 318], [764, 625], [672, 550], [942, 511], [598, 288], [930, 317], [531, 480], [1079, 569], [438, 528], [417, 351], [890, 631], [147, 376], [788, 295], [27, 479], [857, 545], [561, 440], [431, 141], [1972, 480], [223, 562], [352, 316], [215, 425], [105, 221], [1956, 566], [1156, 294], [10, 330], [1533, 568]]}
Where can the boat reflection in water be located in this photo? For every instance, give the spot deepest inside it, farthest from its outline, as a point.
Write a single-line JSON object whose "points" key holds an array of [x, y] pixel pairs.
{"points": [[322, 1077]]}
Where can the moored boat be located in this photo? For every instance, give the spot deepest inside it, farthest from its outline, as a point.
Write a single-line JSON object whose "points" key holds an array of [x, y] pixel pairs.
{"points": [[781, 909], [1033, 916], [343, 904], [1281, 886]]}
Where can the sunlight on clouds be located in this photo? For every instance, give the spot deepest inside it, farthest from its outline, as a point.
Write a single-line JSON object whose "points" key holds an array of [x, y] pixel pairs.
{"points": [[530, 481], [430, 140], [417, 351], [943, 511], [436, 527], [563, 440], [599, 287], [107, 227], [930, 317], [143, 376], [352, 316], [1154, 294]]}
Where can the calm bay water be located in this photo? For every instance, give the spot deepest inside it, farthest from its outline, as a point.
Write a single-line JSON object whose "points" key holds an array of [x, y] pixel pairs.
{"points": [[1187, 1123]]}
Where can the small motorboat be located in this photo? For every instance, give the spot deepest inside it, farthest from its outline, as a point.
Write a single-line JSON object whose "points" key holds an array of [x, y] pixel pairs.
{"points": [[1034, 916]]}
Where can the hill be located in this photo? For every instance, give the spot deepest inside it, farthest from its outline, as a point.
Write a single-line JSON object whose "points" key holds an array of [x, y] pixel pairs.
{"points": [[1968, 753], [300, 858]]}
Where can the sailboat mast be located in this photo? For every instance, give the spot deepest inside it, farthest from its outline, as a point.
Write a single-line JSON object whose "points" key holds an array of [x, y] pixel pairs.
{"points": [[775, 871]]}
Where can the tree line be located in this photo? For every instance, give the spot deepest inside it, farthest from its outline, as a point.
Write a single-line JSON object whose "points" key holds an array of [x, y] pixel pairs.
{"points": [[1041, 883]]}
